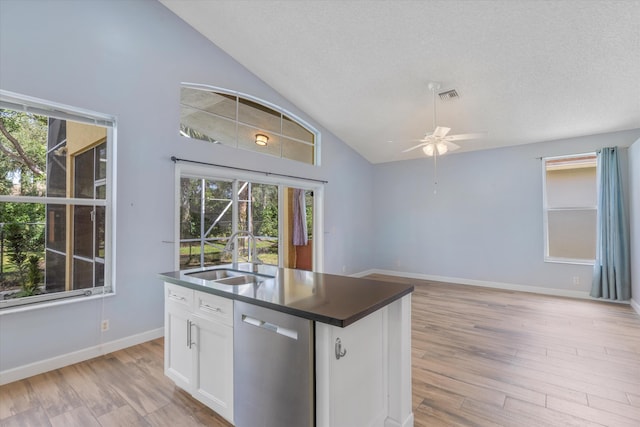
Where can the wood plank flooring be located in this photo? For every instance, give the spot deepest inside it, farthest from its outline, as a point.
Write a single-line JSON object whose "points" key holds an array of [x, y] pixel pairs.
{"points": [[481, 357], [125, 388], [485, 357]]}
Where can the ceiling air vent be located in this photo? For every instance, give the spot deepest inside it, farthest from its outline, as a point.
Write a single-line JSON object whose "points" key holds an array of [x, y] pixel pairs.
{"points": [[448, 95]]}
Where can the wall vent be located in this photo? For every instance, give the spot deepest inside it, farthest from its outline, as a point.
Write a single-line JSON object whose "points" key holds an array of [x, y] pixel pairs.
{"points": [[448, 95]]}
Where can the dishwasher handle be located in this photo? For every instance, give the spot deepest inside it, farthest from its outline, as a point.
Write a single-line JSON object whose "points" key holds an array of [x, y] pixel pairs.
{"points": [[290, 333]]}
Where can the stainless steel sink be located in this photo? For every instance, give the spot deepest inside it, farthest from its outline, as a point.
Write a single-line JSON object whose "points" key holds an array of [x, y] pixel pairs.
{"points": [[226, 276], [238, 280], [215, 274]]}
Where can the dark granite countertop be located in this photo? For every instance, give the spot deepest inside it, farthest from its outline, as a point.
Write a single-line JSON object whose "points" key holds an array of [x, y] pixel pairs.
{"points": [[336, 300]]}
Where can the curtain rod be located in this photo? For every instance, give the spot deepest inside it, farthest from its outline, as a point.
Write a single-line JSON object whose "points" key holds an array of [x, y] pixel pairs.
{"points": [[621, 147], [175, 159]]}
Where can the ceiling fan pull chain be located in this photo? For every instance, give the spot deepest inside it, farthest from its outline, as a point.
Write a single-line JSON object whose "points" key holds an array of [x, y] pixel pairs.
{"points": [[434, 86], [435, 172]]}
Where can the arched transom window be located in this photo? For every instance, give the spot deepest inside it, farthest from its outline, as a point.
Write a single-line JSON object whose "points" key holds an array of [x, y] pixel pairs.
{"points": [[230, 118]]}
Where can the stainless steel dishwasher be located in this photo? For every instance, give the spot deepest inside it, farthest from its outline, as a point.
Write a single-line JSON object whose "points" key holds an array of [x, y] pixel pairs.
{"points": [[273, 368]]}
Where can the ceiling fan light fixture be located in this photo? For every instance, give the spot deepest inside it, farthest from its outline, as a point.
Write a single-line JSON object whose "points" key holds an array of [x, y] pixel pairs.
{"points": [[439, 142], [261, 139], [433, 148], [429, 150]]}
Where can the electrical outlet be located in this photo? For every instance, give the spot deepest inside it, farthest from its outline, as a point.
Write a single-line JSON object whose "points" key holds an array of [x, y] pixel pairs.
{"points": [[104, 326], [576, 280]]}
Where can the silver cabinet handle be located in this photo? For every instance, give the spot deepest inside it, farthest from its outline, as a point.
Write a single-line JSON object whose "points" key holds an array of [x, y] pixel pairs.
{"points": [[210, 308], [340, 352], [188, 333], [189, 325], [176, 296]]}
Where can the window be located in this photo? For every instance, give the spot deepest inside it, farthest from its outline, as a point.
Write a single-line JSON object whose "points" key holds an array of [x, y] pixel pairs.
{"points": [[240, 121], [570, 208], [55, 193], [213, 204], [212, 210]]}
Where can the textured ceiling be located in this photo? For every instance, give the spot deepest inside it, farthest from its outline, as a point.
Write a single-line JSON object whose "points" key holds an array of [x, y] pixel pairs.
{"points": [[526, 71]]}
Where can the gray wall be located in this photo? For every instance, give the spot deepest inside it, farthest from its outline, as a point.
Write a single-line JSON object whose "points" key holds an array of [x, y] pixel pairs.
{"points": [[634, 203], [485, 221], [127, 58]]}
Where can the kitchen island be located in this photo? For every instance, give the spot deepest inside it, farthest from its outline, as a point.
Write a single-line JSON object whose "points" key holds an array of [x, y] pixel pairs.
{"points": [[360, 341]]}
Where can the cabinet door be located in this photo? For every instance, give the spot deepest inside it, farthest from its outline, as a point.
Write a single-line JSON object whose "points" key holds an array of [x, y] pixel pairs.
{"points": [[177, 352], [213, 365], [353, 375]]}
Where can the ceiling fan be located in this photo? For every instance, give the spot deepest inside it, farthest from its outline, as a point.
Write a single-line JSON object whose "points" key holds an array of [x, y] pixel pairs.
{"points": [[439, 142]]}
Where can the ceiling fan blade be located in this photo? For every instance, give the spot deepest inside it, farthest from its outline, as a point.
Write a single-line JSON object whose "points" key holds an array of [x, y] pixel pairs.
{"points": [[414, 147], [441, 132], [463, 136]]}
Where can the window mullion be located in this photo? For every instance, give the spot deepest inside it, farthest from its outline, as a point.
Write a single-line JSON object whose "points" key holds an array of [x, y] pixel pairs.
{"points": [[202, 217], [234, 220]]}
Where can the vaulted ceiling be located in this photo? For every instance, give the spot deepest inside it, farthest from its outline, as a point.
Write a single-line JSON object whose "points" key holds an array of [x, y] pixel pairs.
{"points": [[525, 71]]}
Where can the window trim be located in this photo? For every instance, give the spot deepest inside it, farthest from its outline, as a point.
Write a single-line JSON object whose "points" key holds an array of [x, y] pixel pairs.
{"points": [[317, 136], [212, 172], [29, 104], [546, 209]]}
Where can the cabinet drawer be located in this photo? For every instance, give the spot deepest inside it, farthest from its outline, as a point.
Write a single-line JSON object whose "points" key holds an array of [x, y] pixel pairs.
{"points": [[214, 307], [178, 295]]}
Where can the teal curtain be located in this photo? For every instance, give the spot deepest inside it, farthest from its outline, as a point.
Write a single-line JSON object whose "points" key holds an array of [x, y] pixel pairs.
{"points": [[611, 271]]}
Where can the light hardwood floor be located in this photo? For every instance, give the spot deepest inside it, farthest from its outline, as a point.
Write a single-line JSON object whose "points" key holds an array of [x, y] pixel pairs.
{"points": [[481, 357]]}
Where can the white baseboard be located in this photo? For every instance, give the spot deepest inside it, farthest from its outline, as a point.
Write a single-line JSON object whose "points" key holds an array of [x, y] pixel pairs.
{"points": [[482, 283], [393, 423], [26, 371], [496, 285]]}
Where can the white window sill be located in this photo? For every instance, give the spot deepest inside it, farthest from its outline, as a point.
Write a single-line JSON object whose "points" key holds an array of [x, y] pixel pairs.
{"points": [[51, 303], [570, 261]]}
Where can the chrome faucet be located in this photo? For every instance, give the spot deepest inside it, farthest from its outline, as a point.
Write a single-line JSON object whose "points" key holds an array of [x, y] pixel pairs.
{"points": [[253, 258]]}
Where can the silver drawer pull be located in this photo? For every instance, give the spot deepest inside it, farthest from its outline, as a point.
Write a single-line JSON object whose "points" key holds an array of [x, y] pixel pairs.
{"points": [[176, 296], [207, 307]]}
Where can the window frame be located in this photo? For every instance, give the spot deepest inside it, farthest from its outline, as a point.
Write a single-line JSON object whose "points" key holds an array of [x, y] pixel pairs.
{"points": [[546, 209], [222, 174], [284, 113], [28, 104]]}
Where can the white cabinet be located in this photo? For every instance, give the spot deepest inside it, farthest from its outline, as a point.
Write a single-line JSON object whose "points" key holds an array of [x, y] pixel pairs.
{"points": [[363, 371], [199, 346], [178, 357], [355, 376], [212, 335]]}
